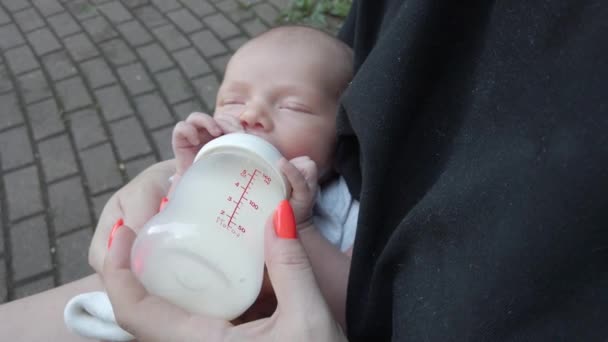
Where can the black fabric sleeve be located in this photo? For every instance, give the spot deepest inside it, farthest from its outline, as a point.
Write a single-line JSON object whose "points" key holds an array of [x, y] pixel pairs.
{"points": [[475, 135]]}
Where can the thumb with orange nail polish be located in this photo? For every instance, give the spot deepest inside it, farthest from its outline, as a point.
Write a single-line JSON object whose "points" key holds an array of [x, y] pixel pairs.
{"points": [[284, 221]]}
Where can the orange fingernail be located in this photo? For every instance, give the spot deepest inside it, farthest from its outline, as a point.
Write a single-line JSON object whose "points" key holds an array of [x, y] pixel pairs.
{"points": [[285, 221], [163, 203], [117, 225]]}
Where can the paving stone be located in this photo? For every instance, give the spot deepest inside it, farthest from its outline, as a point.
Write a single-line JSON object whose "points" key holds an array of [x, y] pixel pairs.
{"points": [[99, 201], [15, 5], [3, 282], [86, 128], [57, 158], [34, 86], [21, 59], [11, 113], [99, 29], [100, 168], [15, 148], [23, 192], [82, 9], [113, 103], [254, 27], [208, 44], [220, 63], [73, 94], [171, 38], [184, 109], [117, 52], [97, 73], [72, 255], [48, 7], [58, 65], [248, 3], [134, 33], [4, 18], [191, 62], [150, 16], [267, 13], [9, 37], [136, 3], [174, 86], [221, 26], [34, 287], [45, 118], [115, 11], [80, 47], [28, 20], [135, 78], [236, 43], [43, 41], [165, 6], [30, 248], [63, 24], [129, 138], [5, 82], [207, 89], [68, 205], [153, 111], [241, 14], [1, 252], [280, 4], [199, 7], [227, 5], [135, 167], [185, 20], [154, 57], [162, 140]]}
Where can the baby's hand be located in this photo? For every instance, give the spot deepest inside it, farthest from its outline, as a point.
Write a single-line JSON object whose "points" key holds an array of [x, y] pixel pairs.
{"points": [[194, 132], [301, 172]]}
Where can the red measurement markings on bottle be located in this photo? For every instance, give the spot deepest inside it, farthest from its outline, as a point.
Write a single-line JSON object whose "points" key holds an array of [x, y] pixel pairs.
{"points": [[228, 221]]}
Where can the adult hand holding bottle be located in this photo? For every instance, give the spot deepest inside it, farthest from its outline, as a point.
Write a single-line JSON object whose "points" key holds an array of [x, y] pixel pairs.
{"points": [[301, 314]]}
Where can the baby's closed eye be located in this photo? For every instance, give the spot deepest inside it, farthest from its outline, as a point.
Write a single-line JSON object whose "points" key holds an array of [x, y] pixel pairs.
{"points": [[296, 107]]}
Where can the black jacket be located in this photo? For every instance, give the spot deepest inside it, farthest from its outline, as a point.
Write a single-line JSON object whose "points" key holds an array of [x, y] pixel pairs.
{"points": [[475, 134]]}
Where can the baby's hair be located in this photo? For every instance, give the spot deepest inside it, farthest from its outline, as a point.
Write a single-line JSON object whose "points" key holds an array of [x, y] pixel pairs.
{"points": [[299, 34]]}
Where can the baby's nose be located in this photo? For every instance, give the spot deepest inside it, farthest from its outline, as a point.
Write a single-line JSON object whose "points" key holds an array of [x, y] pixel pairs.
{"points": [[255, 118]]}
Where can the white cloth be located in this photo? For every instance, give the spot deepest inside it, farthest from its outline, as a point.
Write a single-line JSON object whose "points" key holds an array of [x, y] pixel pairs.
{"points": [[336, 213], [335, 216], [90, 315]]}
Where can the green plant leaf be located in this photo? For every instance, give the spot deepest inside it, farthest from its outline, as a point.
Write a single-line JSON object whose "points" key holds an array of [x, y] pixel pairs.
{"points": [[315, 12]]}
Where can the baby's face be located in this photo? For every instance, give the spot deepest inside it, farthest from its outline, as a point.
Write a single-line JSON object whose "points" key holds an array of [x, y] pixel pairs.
{"points": [[284, 97]]}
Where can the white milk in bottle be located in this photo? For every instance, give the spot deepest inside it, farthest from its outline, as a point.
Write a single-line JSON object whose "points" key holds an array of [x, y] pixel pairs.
{"points": [[204, 251]]}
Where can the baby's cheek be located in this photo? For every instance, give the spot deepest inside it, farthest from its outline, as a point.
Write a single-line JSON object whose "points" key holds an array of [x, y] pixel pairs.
{"points": [[228, 112]]}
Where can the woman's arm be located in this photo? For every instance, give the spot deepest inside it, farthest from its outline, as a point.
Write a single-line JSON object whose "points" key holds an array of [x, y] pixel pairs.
{"points": [[40, 317]]}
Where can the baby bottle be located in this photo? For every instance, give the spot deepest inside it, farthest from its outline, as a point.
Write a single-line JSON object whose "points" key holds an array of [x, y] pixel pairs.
{"points": [[204, 251]]}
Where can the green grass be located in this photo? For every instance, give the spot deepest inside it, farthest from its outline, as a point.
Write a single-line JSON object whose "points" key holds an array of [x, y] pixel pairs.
{"points": [[324, 14]]}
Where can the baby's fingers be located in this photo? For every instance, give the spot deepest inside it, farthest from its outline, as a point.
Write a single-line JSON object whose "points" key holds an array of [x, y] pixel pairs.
{"points": [[308, 169], [206, 122], [229, 124], [185, 135], [298, 182]]}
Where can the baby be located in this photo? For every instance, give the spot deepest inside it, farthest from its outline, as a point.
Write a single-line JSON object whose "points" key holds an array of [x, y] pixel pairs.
{"points": [[283, 86]]}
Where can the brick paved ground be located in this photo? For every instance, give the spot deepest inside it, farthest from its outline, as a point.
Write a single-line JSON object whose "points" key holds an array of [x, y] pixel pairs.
{"points": [[89, 92]]}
